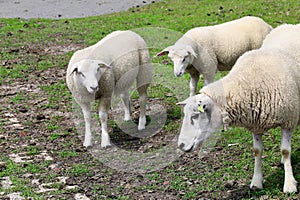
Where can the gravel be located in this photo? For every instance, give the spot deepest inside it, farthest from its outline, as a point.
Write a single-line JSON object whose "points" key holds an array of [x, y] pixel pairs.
{"points": [[56, 9]]}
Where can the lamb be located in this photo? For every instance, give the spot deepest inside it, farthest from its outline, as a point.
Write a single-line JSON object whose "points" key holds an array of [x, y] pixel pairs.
{"points": [[203, 50], [261, 92], [109, 68]]}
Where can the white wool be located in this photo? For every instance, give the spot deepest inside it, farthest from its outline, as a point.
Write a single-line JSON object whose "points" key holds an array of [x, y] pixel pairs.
{"points": [[124, 58], [262, 91], [216, 47]]}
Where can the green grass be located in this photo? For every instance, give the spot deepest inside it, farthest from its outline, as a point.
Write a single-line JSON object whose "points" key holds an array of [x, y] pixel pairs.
{"points": [[66, 154], [32, 150], [78, 170], [23, 44]]}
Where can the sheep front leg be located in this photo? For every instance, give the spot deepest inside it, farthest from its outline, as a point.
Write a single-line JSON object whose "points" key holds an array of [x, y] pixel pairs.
{"points": [[257, 179], [86, 109], [290, 184], [104, 105]]}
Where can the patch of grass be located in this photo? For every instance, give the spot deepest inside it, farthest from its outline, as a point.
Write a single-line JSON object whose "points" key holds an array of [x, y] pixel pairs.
{"points": [[66, 154], [32, 150], [56, 92], [54, 136], [78, 170]]}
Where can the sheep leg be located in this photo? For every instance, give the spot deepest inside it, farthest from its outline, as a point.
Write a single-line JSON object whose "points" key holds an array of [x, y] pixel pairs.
{"points": [[194, 82], [104, 105], [142, 90], [209, 75], [290, 184], [86, 109], [126, 105], [257, 179]]}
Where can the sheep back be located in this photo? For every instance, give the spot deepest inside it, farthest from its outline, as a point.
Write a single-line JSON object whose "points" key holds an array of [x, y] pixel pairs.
{"points": [[286, 38], [260, 92], [125, 51], [226, 42]]}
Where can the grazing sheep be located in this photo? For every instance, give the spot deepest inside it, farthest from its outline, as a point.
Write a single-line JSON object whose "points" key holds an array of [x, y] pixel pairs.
{"points": [[261, 92], [203, 50], [110, 67]]}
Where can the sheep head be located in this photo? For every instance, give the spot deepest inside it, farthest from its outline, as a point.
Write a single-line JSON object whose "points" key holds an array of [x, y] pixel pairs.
{"points": [[87, 73], [202, 117], [181, 56]]}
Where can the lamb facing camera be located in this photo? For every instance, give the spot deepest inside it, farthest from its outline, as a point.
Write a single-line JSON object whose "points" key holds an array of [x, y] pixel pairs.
{"points": [[110, 67]]}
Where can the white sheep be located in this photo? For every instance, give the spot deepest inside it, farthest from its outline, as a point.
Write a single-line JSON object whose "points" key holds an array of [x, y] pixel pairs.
{"points": [[108, 68], [261, 92], [204, 50]]}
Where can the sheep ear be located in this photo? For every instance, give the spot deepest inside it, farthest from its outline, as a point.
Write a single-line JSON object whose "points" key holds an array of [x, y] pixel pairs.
{"points": [[75, 69], [191, 51], [181, 104], [165, 51], [104, 66]]}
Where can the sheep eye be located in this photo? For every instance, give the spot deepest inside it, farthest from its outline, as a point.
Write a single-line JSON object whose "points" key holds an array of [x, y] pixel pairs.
{"points": [[183, 60], [81, 74], [194, 117]]}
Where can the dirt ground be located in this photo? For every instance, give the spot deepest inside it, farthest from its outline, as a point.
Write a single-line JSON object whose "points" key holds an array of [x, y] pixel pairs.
{"points": [[39, 136]]}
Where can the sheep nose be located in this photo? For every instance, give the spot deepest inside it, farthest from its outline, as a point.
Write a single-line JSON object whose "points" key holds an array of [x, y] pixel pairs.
{"points": [[179, 74], [181, 146], [95, 88]]}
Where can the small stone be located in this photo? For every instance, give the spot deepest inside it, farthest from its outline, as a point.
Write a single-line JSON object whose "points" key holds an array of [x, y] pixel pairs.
{"points": [[80, 196], [14, 120], [23, 109], [71, 187], [8, 115], [18, 126]]}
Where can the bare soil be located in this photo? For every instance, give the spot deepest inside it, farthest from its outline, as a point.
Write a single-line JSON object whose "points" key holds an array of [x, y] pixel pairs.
{"points": [[32, 120]]}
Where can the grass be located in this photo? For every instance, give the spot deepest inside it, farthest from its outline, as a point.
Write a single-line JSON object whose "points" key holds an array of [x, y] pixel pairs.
{"points": [[24, 59]]}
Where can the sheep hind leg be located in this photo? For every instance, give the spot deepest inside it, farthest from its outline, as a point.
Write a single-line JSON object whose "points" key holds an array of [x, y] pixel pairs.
{"points": [[257, 179], [126, 105], [86, 109], [290, 184], [142, 90], [104, 105], [194, 82]]}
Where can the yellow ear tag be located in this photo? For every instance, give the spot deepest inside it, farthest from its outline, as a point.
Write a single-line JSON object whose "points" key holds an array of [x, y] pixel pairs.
{"points": [[200, 108]]}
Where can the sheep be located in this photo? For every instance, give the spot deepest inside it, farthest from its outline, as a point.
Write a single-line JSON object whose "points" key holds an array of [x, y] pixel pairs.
{"points": [[109, 68], [261, 92], [204, 50]]}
